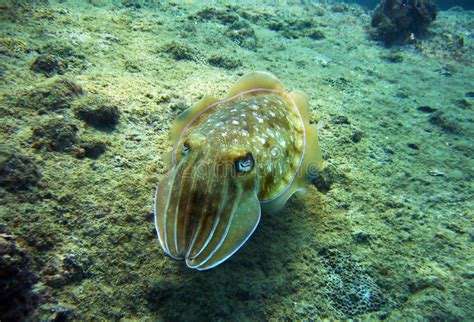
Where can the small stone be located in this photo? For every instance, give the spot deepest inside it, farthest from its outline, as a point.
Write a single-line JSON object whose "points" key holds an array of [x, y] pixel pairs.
{"points": [[56, 134], [97, 111], [327, 178], [445, 123], [340, 119], [242, 33], [47, 65], [179, 51], [224, 62], [17, 171], [52, 95], [360, 236], [357, 135], [92, 149], [413, 146], [426, 109]]}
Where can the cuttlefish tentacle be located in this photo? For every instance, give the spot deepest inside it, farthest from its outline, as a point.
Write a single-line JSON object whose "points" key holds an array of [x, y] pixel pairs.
{"points": [[224, 198], [207, 215]]}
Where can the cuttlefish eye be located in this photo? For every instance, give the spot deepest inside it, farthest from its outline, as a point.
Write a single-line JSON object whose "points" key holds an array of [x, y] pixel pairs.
{"points": [[185, 149], [244, 164]]}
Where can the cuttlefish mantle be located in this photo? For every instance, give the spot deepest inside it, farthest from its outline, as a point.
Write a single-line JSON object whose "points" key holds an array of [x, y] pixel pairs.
{"points": [[233, 159]]}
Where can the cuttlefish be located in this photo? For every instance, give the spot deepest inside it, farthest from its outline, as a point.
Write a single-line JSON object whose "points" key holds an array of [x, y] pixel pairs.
{"points": [[232, 160]]}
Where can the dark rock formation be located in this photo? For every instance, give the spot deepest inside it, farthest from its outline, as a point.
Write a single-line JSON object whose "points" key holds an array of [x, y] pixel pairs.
{"points": [[394, 21]]}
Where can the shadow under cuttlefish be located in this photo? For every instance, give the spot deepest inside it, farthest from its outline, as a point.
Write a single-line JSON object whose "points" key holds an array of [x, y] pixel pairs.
{"points": [[255, 276]]}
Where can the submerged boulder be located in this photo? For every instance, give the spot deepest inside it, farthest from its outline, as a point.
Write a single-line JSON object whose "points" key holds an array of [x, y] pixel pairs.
{"points": [[56, 134], [97, 111], [395, 21], [17, 171], [51, 96]]}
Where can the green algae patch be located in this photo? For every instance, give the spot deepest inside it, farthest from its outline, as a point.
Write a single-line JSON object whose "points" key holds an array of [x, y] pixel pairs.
{"points": [[50, 96]]}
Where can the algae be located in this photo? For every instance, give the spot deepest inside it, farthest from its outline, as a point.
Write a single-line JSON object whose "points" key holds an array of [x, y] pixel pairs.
{"points": [[383, 233]]}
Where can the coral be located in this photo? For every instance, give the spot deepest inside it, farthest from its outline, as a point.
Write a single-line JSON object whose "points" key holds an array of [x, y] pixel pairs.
{"points": [[97, 111], [17, 171], [350, 290], [52, 95], [396, 20], [16, 280], [56, 134]]}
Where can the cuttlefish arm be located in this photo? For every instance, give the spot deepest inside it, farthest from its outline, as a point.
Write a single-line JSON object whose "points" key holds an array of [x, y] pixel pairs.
{"points": [[205, 228]]}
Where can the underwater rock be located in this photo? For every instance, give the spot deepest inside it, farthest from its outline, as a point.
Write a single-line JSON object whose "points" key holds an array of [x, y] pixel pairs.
{"points": [[13, 47], [16, 280], [69, 56], [298, 28], [426, 109], [56, 134], [396, 20], [69, 268], [132, 4], [447, 124], [463, 103], [91, 149], [350, 289], [52, 95], [223, 15], [357, 135], [17, 171], [394, 58], [360, 236], [47, 65], [224, 62], [97, 111], [179, 51], [327, 178], [242, 33]]}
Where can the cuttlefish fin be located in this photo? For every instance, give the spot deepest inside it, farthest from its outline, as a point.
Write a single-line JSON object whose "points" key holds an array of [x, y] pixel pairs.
{"points": [[238, 221], [302, 103], [255, 80], [312, 162], [187, 116]]}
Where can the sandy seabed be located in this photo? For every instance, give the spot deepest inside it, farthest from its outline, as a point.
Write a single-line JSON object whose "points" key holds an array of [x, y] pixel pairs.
{"points": [[89, 90]]}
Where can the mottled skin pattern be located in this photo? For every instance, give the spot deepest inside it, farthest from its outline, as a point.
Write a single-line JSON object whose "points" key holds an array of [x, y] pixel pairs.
{"points": [[263, 122], [230, 158]]}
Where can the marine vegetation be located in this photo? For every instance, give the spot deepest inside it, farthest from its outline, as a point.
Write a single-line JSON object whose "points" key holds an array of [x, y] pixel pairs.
{"points": [[231, 158]]}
